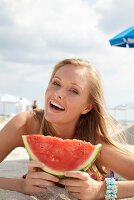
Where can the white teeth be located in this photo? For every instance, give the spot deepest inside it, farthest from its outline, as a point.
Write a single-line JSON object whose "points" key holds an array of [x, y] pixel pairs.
{"points": [[55, 104]]}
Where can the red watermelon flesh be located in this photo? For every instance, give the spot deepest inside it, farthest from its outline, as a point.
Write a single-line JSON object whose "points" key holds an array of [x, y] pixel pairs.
{"points": [[60, 155]]}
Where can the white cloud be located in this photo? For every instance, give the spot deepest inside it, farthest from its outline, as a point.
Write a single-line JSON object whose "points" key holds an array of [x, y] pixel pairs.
{"points": [[42, 27], [116, 15], [34, 35]]}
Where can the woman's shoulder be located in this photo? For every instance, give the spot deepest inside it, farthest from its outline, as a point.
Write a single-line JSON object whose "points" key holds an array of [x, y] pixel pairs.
{"points": [[11, 133], [22, 118], [18, 122], [27, 122]]}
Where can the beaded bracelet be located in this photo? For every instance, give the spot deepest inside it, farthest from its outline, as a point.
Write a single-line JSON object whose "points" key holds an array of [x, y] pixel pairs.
{"points": [[111, 189]]}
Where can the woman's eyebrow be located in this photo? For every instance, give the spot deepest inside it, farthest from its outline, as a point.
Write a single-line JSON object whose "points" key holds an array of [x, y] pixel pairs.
{"points": [[57, 77], [76, 85]]}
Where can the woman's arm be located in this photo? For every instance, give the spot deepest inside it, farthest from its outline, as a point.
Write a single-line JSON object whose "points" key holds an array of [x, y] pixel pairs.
{"points": [[11, 134], [11, 184], [117, 161], [10, 138]]}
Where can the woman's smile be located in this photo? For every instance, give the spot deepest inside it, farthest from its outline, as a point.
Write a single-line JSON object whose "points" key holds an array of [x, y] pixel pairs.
{"points": [[56, 107]]}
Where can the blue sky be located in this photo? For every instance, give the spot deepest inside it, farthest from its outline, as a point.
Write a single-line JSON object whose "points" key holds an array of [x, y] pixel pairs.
{"points": [[36, 34]]}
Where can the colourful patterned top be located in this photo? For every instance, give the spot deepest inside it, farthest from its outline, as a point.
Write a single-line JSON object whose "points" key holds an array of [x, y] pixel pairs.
{"points": [[98, 176]]}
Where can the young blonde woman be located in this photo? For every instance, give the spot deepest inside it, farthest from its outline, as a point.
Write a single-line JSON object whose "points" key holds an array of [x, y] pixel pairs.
{"points": [[74, 108]]}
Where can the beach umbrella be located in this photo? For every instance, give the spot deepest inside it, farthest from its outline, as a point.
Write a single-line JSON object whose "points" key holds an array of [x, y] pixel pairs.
{"points": [[124, 39], [130, 105], [124, 107], [23, 104], [26, 101], [8, 99]]}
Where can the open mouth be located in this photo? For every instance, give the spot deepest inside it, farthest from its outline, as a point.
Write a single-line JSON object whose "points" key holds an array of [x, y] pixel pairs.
{"points": [[56, 106]]}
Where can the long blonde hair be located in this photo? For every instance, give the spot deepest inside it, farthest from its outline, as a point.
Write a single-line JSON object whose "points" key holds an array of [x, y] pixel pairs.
{"points": [[95, 124]]}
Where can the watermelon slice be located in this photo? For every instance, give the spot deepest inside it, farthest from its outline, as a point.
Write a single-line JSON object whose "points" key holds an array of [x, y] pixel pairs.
{"points": [[60, 155]]}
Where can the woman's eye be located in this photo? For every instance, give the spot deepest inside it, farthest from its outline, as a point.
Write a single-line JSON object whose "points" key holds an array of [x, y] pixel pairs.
{"points": [[74, 91], [55, 83]]}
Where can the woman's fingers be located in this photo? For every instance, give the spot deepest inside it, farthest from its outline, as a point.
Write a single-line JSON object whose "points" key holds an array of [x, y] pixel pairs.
{"points": [[34, 165], [77, 174], [28, 187], [40, 182], [71, 182], [76, 178], [43, 175], [36, 180], [33, 172]]}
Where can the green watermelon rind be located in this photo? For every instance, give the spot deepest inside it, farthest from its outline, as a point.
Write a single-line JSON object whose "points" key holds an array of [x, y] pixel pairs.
{"points": [[83, 167]]}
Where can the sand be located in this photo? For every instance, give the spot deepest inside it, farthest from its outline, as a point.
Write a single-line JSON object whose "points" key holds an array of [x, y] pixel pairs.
{"points": [[15, 165]]}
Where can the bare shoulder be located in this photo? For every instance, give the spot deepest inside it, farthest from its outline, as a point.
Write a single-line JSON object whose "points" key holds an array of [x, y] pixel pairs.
{"points": [[11, 134], [17, 123], [22, 121]]}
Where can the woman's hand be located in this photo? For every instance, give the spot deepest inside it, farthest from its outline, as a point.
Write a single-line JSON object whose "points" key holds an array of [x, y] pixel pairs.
{"points": [[37, 180], [81, 186]]}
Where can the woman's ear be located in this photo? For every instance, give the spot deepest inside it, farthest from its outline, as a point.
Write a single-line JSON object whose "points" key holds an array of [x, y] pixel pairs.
{"points": [[87, 109]]}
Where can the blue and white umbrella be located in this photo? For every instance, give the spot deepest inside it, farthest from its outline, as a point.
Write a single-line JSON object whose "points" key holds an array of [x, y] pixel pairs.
{"points": [[124, 39]]}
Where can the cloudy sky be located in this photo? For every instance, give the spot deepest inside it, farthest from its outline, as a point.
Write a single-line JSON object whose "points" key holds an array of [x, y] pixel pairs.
{"points": [[35, 34]]}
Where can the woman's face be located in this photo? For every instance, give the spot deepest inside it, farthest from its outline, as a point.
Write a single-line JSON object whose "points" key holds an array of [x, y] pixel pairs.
{"points": [[67, 94]]}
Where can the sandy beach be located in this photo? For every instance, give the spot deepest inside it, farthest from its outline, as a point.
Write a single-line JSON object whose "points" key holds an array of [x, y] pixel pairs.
{"points": [[15, 165]]}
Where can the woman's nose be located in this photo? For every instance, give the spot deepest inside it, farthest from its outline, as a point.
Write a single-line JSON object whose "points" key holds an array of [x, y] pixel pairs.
{"points": [[60, 94]]}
